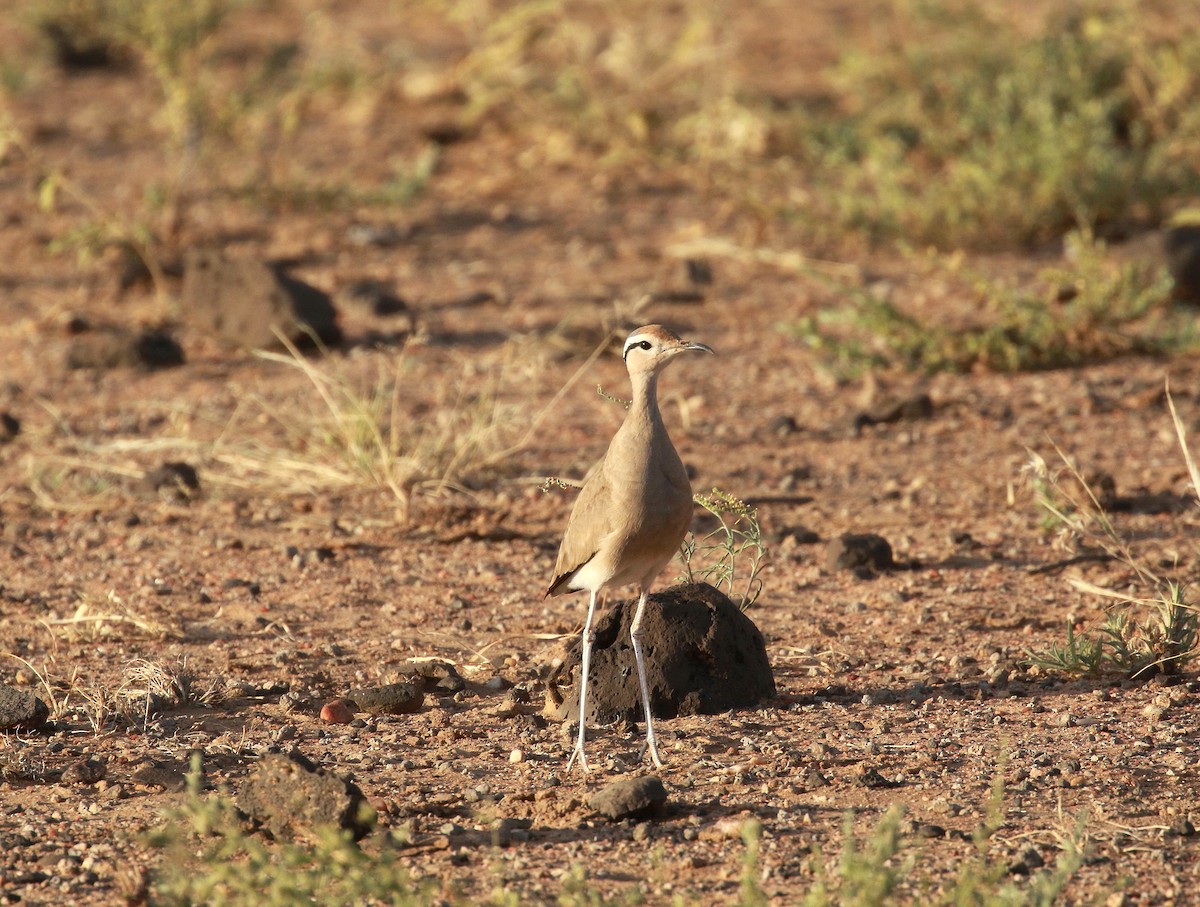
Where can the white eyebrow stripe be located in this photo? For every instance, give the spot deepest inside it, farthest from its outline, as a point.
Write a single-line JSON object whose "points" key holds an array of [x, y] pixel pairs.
{"points": [[631, 343]]}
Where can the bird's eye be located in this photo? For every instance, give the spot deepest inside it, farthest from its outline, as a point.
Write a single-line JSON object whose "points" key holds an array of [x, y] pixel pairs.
{"points": [[645, 344]]}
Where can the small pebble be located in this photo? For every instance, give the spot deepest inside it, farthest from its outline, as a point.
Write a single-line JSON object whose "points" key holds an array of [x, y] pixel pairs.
{"points": [[337, 711]]}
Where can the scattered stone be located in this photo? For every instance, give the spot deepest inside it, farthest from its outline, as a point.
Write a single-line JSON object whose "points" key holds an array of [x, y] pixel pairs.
{"points": [[814, 779], [912, 409], [783, 426], [381, 235], [699, 271], [630, 798], [78, 45], [20, 710], [113, 346], [174, 481], [246, 302], [864, 554], [85, 771], [509, 706], [870, 777], [791, 536], [373, 297], [437, 676], [10, 427], [389, 699], [705, 657], [1182, 827], [1182, 247], [1030, 860], [168, 776], [337, 711], [293, 799]]}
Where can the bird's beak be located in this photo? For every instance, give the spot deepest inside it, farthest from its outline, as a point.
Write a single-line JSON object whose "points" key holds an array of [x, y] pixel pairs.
{"points": [[698, 347]]}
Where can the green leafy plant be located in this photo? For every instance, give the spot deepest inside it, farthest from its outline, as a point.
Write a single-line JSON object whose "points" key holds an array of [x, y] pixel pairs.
{"points": [[959, 128], [209, 858], [732, 555], [1094, 310], [1164, 635], [614, 76]]}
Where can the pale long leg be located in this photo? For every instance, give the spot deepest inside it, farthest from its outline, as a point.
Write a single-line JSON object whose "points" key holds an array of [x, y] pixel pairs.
{"points": [[589, 640], [635, 634]]}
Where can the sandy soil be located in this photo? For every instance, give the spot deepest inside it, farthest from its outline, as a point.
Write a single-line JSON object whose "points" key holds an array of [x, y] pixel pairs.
{"points": [[909, 687]]}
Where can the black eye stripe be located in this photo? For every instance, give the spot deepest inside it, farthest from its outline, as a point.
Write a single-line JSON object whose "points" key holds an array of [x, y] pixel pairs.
{"points": [[643, 344]]}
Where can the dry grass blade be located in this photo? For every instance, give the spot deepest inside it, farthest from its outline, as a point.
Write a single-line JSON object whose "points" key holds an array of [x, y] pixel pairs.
{"points": [[89, 623], [154, 685], [1181, 433], [58, 707]]}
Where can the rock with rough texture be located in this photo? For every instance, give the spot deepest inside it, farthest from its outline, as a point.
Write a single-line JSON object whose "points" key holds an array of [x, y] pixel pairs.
{"points": [[20, 710], [85, 771], [173, 481], [294, 799], [435, 676], [703, 656], [113, 346], [630, 798], [389, 699], [862, 553], [245, 302], [10, 427], [1182, 247]]}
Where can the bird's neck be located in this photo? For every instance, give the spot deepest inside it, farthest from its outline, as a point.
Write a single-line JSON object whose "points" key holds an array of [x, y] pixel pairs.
{"points": [[645, 398]]}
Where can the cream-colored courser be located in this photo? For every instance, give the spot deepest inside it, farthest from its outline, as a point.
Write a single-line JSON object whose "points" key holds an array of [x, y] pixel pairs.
{"points": [[632, 513]]}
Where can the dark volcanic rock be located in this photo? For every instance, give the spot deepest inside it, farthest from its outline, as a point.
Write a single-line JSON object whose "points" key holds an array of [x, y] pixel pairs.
{"points": [[85, 771], [246, 301], [435, 676], [174, 481], [912, 409], [1182, 247], [389, 699], [867, 552], [703, 656], [113, 346], [630, 798], [21, 710], [294, 799], [10, 427]]}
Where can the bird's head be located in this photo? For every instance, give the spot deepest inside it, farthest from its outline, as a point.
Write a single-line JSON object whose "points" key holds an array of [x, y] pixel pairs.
{"points": [[651, 347]]}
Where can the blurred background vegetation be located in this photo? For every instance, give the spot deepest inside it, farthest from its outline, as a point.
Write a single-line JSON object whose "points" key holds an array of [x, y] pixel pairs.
{"points": [[915, 128]]}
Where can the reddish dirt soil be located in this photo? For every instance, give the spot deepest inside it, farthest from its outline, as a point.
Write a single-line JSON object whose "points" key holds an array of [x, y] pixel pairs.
{"points": [[909, 687]]}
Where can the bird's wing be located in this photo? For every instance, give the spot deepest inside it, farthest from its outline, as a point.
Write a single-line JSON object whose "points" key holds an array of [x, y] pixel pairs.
{"points": [[589, 524]]}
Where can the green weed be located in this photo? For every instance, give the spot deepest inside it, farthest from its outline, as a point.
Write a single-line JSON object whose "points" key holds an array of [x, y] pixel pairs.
{"points": [[958, 129], [732, 555], [615, 77], [209, 858], [1140, 636], [171, 39], [1093, 310]]}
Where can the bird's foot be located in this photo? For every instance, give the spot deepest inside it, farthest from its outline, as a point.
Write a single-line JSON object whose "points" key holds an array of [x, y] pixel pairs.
{"points": [[651, 747], [577, 753]]}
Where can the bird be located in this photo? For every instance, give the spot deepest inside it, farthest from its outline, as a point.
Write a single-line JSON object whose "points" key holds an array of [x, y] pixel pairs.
{"points": [[632, 513]]}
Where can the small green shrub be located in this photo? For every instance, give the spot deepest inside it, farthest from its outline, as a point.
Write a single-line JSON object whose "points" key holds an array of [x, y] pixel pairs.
{"points": [[209, 858], [1092, 311], [1140, 637], [732, 555], [960, 130]]}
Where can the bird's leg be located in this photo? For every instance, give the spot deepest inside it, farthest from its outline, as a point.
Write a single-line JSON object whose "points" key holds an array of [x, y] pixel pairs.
{"points": [[589, 640], [635, 634]]}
